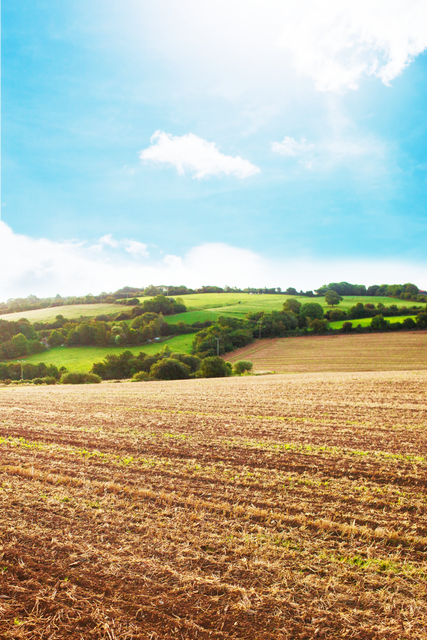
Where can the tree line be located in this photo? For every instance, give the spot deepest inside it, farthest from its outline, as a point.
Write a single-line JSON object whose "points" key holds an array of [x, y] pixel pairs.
{"points": [[130, 295]]}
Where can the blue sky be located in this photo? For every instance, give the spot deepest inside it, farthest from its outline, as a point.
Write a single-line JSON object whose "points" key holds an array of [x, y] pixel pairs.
{"points": [[240, 143]]}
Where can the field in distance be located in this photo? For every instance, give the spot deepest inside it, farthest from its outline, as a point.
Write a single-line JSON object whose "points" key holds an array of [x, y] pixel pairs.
{"points": [[201, 307], [356, 352], [81, 359], [265, 508], [68, 311]]}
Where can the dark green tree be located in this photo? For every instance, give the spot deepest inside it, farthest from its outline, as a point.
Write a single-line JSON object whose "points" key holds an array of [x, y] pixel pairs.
{"points": [[332, 298]]}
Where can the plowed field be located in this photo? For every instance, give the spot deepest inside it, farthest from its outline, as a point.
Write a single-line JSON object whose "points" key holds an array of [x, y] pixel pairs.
{"points": [[357, 352], [274, 507]]}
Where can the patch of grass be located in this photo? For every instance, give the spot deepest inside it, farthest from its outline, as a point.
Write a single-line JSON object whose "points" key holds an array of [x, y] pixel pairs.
{"points": [[71, 311], [365, 322], [80, 359]]}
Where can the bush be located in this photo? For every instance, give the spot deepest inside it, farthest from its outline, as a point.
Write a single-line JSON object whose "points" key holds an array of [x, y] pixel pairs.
{"points": [[378, 323], [191, 361], [408, 323], [79, 378], [214, 367], [319, 326], [347, 327], [311, 311], [49, 380], [242, 366], [140, 376], [37, 381], [170, 369]]}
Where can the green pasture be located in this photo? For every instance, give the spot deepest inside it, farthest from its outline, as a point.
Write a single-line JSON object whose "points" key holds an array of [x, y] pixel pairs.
{"points": [[365, 322], [208, 306], [80, 359], [201, 307], [68, 311]]}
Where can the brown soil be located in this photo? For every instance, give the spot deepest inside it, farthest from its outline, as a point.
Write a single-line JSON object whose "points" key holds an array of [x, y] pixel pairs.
{"points": [[265, 508], [356, 352]]}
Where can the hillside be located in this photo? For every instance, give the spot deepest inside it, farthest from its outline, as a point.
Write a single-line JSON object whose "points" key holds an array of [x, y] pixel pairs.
{"points": [[364, 352], [200, 306]]}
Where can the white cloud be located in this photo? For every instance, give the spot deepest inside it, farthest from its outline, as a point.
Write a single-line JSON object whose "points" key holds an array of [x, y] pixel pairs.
{"points": [[234, 46], [291, 147], [198, 156], [338, 42], [108, 240], [136, 248], [46, 267]]}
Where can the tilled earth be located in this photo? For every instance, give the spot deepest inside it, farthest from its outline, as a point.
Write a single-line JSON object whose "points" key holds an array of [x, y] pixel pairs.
{"points": [[272, 507]]}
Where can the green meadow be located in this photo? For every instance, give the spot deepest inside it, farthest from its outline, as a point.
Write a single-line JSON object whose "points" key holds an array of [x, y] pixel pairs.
{"points": [[208, 306], [68, 311], [80, 359], [365, 322], [201, 307]]}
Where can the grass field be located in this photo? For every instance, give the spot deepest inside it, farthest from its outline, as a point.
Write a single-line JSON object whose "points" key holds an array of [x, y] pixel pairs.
{"points": [[365, 322], [71, 311], [256, 508], [356, 352], [81, 358], [208, 306], [205, 306]]}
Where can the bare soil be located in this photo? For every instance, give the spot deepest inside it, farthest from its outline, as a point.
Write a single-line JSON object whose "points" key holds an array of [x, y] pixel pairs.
{"points": [[265, 508], [402, 351]]}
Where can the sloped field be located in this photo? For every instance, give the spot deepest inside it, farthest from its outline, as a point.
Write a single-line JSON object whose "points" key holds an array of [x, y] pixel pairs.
{"points": [[356, 352], [274, 507]]}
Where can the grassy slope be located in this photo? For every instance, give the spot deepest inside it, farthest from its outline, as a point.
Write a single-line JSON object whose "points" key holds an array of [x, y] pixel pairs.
{"points": [[365, 322], [82, 358], [209, 306], [72, 311], [356, 352], [201, 307]]}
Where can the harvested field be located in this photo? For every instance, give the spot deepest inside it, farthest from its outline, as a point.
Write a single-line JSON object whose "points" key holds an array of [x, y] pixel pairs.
{"points": [[356, 352], [264, 508]]}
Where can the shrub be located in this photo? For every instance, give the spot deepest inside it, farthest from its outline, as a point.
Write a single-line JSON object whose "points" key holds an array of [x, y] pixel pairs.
{"points": [[378, 323], [347, 327], [49, 380], [242, 366], [170, 369], [37, 381], [311, 311], [319, 326], [140, 376], [214, 367], [191, 361], [408, 323], [79, 378]]}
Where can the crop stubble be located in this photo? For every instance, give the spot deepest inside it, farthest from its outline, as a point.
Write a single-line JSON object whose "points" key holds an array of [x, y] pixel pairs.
{"points": [[402, 351], [268, 508]]}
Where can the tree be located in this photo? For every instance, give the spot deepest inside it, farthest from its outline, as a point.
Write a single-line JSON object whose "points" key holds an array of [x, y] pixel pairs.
{"points": [[56, 339], [170, 369], [319, 326], [242, 366], [292, 305], [378, 323], [214, 367], [311, 310], [332, 298]]}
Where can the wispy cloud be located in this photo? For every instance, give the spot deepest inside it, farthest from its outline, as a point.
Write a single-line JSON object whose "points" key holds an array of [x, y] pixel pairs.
{"points": [[136, 248], [195, 155], [291, 147], [239, 45]]}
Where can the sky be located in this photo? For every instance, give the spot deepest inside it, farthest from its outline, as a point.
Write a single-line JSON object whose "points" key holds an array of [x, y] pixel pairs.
{"points": [[228, 142]]}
